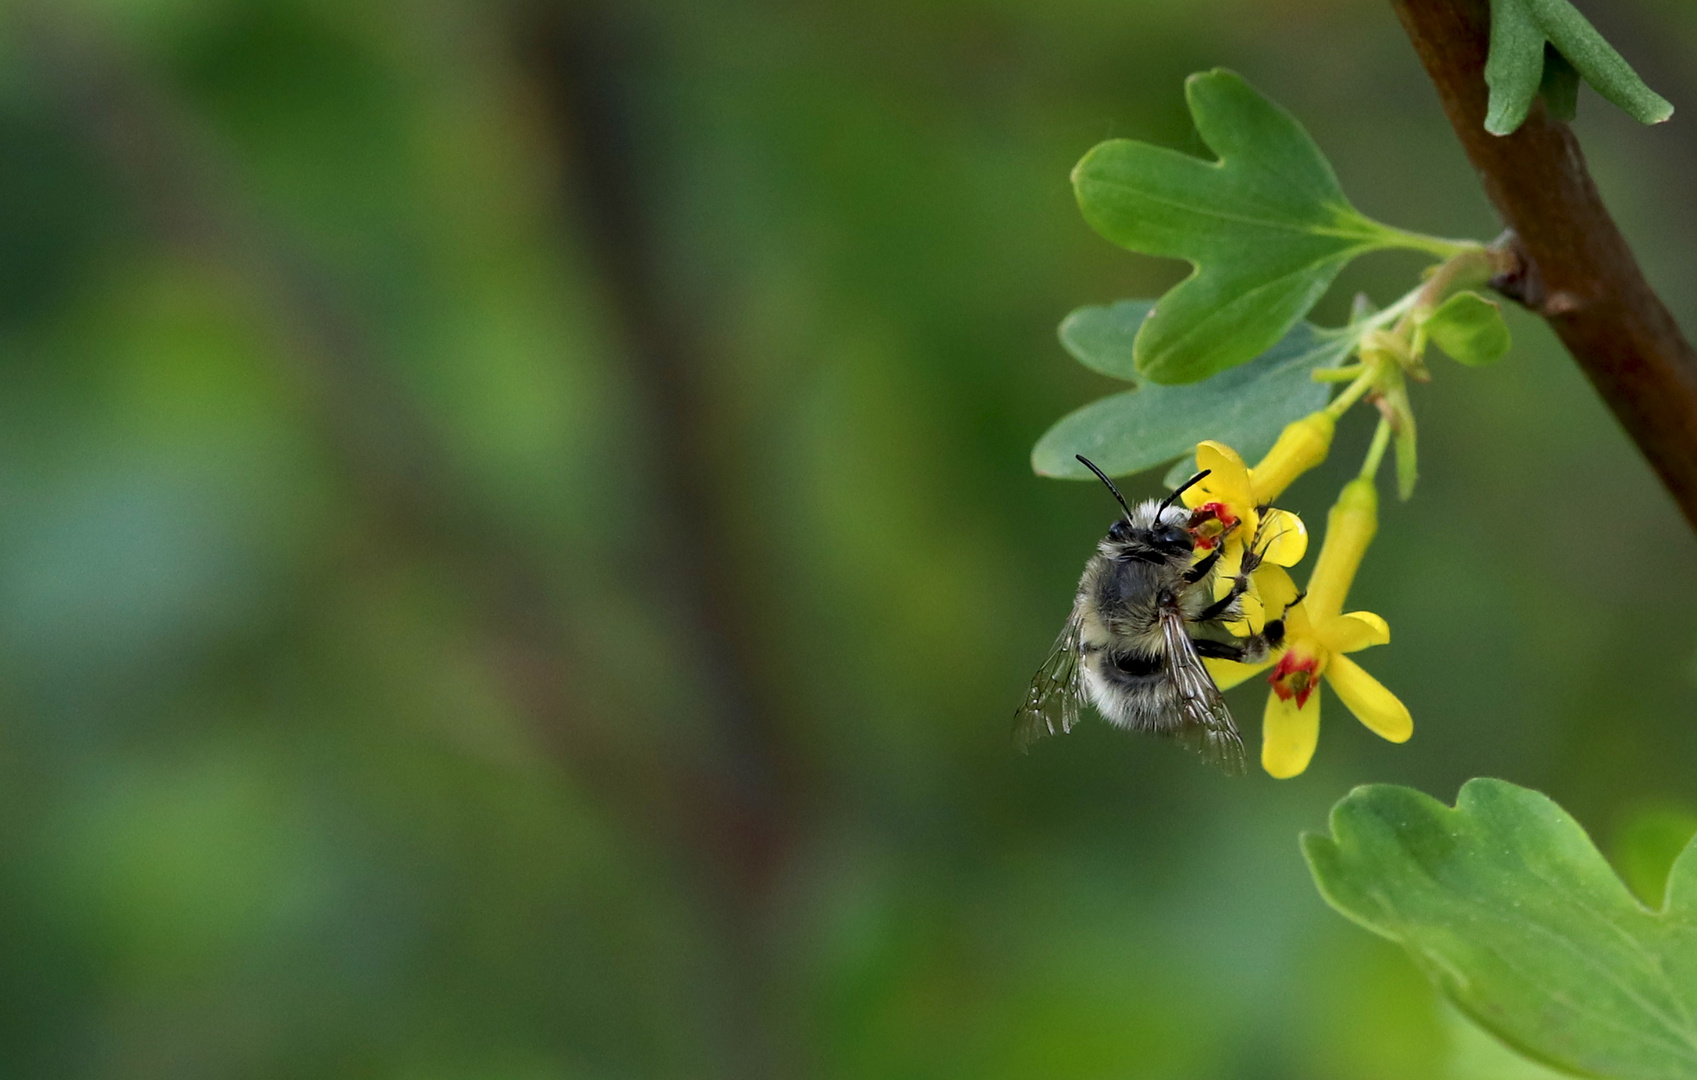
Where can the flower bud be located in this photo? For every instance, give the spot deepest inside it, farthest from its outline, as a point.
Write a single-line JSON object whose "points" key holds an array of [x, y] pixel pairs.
{"points": [[1350, 526], [1302, 445]]}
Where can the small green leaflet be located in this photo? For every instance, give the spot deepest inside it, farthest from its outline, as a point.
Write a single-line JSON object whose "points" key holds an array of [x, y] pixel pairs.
{"points": [[1266, 227], [1516, 68], [1245, 408], [1469, 328], [1508, 907], [1407, 457], [1101, 336]]}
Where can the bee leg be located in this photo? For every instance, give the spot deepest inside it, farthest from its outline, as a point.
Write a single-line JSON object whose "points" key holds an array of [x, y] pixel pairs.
{"points": [[1218, 650], [1223, 605], [1255, 647], [1257, 549], [1251, 560], [1250, 650], [1201, 569]]}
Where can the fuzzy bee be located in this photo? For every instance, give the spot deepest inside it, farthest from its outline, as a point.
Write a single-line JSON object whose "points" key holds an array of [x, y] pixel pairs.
{"points": [[1144, 616]]}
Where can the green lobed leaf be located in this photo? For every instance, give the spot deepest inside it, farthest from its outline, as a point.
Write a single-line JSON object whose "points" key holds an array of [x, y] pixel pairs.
{"points": [[1245, 408], [1475, 1054], [1266, 227], [1469, 328], [1511, 911], [1101, 336], [1515, 69]]}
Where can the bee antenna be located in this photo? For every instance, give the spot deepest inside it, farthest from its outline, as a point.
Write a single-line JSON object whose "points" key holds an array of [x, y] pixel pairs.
{"points": [[1102, 476], [1184, 487]]}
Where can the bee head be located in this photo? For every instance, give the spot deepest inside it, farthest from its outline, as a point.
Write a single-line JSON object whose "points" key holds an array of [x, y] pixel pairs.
{"points": [[1171, 531], [1151, 525], [1153, 528]]}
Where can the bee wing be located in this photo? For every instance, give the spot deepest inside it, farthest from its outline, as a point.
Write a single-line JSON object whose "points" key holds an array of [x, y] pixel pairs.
{"points": [[1051, 705], [1206, 724]]}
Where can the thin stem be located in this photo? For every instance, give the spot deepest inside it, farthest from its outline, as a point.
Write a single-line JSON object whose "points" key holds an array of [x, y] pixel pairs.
{"points": [[1385, 316], [1417, 344], [1434, 245], [1337, 374], [1467, 269], [1376, 451], [1352, 393]]}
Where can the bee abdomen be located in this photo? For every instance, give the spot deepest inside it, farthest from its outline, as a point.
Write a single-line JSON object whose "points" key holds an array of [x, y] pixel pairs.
{"points": [[1134, 665], [1131, 689]]}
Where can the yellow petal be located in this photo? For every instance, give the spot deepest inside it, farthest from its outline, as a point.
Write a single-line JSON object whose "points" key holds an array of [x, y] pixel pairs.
{"points": [[1254, 616], [1231, 562], [1229, 673], [1283, 538], [1288, 735], [1368, 699], [1198, 493], [1228, 477], [1299, 628], [1249, 523], [1275, 588], [1225, 572], [1356, 631]]}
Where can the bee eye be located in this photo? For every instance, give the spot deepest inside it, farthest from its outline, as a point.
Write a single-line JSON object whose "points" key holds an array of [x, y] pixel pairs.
{"points": [[1120, 530], [1174, 536]]}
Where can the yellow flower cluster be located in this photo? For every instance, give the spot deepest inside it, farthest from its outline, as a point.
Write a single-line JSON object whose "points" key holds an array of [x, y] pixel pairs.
{"points": [[1233, 503], [1318, 632]]}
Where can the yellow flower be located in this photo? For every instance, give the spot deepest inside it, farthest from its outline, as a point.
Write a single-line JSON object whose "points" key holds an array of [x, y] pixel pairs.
{"points": [[1229, 507], [1317, 635]]}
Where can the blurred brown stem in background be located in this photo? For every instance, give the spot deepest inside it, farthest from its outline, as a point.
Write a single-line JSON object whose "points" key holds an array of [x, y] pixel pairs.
{"points": [[1576, 269], [585, 63], [730, 817]]}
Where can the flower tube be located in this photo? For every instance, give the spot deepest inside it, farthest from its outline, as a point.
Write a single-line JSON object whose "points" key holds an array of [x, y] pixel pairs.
{"points": [[1317, 635]]}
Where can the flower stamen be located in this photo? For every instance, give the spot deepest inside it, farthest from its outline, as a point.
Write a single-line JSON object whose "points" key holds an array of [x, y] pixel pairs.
{"points": [[1295, 677], [1210, 522]]}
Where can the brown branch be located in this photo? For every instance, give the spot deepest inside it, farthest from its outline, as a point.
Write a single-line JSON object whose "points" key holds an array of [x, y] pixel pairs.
{"points": [[1575, 267]]}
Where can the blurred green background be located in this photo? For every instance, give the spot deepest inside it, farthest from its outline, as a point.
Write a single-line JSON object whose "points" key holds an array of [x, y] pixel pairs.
{"points": [[518, 551]]}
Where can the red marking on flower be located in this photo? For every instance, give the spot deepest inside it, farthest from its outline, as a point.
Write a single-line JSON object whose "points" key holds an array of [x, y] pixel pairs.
{"points": [[1295, 677], [1209, 522], [1223, 512]]}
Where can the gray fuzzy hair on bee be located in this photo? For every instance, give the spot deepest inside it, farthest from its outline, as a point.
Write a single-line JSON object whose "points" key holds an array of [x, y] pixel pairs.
{"points": [[1144, 616]]}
